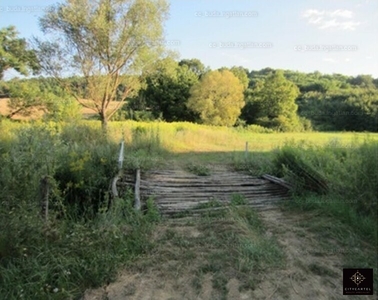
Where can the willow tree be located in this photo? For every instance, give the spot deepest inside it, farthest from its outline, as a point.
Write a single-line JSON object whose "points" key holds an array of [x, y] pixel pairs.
{"points": [[106, 45], [217, 98]]}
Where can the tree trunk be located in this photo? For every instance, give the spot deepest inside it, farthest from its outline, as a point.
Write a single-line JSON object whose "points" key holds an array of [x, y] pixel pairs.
{"points": [[104, 123]]}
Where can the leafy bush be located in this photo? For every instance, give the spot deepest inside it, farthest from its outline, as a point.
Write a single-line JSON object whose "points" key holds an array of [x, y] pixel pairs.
{"points": [[32, 155], [84, 240], [65, 110], [258, 129]]}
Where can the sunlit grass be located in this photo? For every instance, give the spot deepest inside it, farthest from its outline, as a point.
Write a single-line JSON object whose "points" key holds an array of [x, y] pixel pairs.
{"points": [[182, 137]]}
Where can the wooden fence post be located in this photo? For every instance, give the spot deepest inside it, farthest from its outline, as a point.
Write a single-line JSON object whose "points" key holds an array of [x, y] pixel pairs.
{"points": [[246, 151], [137, 204], [44, 194]]}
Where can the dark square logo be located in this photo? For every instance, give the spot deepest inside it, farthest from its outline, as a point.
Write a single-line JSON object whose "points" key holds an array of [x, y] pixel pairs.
{"points": [[357, 281]]}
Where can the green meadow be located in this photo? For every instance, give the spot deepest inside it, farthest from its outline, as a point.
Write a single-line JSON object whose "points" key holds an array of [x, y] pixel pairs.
{"points": [[86, 238]]}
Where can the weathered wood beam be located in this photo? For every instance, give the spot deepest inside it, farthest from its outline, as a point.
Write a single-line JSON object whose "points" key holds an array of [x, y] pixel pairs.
{"points": [[277, 180], [137, 204]]}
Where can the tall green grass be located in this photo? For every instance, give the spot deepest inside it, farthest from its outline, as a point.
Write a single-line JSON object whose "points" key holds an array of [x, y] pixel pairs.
{"points": [[350, 170], [85, 239]]}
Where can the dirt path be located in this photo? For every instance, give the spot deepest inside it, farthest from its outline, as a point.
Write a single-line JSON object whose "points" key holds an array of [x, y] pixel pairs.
{"points": [[178, 266], [311, 273], [171, 272]]}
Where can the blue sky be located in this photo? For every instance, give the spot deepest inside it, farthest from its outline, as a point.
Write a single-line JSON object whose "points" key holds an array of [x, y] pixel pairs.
{"points": [[331, 36]]}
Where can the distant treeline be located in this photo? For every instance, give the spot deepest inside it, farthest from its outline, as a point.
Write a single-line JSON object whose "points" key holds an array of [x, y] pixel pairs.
{"points": [[322, 102]]}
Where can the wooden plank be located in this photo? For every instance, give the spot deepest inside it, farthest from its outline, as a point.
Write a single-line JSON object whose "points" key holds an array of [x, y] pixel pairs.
{"points": [[213, 194], [185, 205], [210, 209], [204, 200], [176, 192], [203, 182], [277, 180], [211, 187]]}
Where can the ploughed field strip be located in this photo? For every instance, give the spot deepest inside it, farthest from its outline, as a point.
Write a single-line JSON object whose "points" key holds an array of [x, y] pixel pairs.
{"points": [[177, 191]]}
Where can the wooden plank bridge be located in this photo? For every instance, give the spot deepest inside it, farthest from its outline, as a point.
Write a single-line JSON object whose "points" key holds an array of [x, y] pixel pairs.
{"points": [[177, 191]]}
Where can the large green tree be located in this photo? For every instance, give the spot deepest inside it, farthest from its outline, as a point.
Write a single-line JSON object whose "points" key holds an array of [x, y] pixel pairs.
{"points": [[14, 53], [218, 98], [167, 91], [276, 102], [106, 42]]}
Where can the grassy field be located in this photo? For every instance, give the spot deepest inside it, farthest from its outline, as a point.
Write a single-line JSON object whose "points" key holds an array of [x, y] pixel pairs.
{"points": [[178, 137], [84, 243], [182, 137]]}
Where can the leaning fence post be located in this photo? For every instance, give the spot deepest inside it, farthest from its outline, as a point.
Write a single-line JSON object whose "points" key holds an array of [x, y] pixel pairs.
{"points": [[118, 176], [121, 156]]}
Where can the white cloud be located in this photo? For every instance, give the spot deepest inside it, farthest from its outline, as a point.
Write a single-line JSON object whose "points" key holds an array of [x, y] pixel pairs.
{"points": [[339, 25], [341, 19], [347, 59], [343, 13]]}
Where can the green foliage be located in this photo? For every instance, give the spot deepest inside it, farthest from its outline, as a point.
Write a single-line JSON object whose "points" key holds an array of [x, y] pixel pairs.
{"points": [[64, 110], [85, 240], [276, 102], [238, 200], [348, 170], [167, 91], [258, 129], [299, 172], [14, 53], [364, 81], [250, 111], [194, 65], [145, 149], [147, 139], [217, 98], [241, 73], [254, 163], [87, 167], [27, 97], [355, 109], [31, 155], [104, 43], [209, 204], [61, 259], [327, 102], [199, 170]]}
